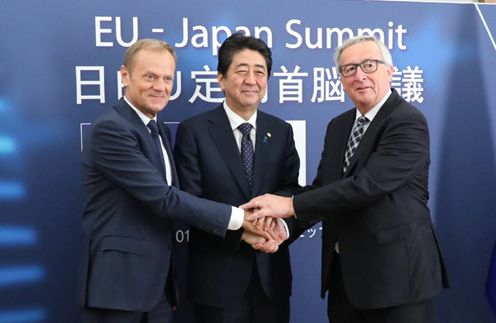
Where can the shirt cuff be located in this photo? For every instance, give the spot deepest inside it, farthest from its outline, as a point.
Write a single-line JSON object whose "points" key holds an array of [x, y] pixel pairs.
{"points": [[237, 218], [285, 227], [292, 203]]}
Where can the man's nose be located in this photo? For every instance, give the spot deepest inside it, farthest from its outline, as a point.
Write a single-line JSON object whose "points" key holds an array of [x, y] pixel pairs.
{"points": [[360, 74], [160, 84], [250, 77]]}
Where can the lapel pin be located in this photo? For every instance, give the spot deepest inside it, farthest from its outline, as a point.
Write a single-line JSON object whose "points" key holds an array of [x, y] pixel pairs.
{"points": [[266, 137]]}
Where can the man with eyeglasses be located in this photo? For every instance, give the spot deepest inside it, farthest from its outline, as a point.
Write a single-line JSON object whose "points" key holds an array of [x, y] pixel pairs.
{"points": [[381, 260]]}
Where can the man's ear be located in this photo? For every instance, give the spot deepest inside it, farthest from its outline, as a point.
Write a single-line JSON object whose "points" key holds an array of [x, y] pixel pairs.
{"points": [[124, 75]]}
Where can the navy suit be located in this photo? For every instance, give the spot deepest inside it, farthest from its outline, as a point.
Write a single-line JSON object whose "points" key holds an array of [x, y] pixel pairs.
{"points": [[209, 166], [127, 237], [377, 210]]}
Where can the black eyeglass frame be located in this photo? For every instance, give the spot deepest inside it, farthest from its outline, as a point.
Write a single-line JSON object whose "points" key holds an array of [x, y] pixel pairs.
{"points": [[366, 70]]}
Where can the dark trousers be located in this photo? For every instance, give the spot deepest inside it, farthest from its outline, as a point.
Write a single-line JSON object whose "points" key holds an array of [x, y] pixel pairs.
{"points": [[161, 313], [340, 309], [254, 307]]}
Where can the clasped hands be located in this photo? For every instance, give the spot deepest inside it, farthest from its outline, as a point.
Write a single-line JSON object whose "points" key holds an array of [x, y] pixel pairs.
{"points": [[263, 229]]}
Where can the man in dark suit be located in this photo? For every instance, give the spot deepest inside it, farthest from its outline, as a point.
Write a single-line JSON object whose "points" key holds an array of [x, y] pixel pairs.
{"points": [[380, 258], [131, 182], [229, 281]]}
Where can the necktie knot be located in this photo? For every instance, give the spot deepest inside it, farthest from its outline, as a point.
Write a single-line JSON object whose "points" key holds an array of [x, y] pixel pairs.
{"points": [[245, 128], [362, 121], [152, 125]]}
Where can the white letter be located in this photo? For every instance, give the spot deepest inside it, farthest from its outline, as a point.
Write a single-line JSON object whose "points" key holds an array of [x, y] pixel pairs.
{"points": [[202, 36], [299, 40], [215, 38], [118, 27], [185, 34], [268, 32], [99, 31], [400, 31]]}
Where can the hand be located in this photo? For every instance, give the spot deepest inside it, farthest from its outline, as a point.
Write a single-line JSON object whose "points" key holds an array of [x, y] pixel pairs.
{"points": [[260, 243], [250, 227], [264, 224], [278, 231], [269, 205]]}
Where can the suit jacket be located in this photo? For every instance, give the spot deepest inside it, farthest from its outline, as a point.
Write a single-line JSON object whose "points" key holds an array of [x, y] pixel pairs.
{"points": [[378, 209], [126, 247], [209, 166]]}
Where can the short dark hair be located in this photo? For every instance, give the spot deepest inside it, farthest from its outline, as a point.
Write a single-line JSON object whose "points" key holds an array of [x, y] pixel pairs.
{"points": [[238, 42]]}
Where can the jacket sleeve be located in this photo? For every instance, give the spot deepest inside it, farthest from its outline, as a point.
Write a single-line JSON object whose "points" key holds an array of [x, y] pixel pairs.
{"points": [[400, 155], [116, 152]]}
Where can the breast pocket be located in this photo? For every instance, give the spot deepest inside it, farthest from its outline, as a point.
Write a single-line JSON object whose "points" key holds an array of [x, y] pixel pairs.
{"points": [[123, 245]]}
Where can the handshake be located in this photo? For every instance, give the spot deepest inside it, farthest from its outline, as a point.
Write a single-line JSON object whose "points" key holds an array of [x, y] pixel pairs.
{"points": [[264, 229]]}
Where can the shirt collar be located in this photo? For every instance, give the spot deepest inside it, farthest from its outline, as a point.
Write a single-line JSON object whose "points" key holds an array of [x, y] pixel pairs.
{"points": [[235, 120], [140, 114], [370, 115]]}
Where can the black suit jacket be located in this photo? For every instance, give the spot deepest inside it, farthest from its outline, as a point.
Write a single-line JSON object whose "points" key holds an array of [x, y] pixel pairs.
{"points": [[209, 166], [126, 248], [378, 209]]}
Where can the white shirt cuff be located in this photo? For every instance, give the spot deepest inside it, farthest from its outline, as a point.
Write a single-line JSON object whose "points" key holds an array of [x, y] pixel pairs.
{"points": [[285, 227], [237, 218]]}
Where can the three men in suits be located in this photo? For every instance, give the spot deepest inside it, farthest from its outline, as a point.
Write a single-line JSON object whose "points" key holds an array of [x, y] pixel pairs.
{"points": [[229, 281], [380, 257], [132, 195]]}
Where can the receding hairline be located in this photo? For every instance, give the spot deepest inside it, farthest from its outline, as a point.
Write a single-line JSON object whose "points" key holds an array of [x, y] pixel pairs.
{"points": [[154, 45], [385, 53]]}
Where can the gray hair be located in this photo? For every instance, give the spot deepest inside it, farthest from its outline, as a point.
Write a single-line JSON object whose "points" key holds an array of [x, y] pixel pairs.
{"points": [[386, 55]]}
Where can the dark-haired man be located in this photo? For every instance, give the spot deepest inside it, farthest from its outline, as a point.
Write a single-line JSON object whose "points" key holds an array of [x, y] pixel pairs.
{"points": [[231, 154]]}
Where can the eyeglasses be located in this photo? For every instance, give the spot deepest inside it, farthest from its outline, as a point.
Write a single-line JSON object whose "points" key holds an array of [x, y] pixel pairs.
{"points": [[368, 66]]}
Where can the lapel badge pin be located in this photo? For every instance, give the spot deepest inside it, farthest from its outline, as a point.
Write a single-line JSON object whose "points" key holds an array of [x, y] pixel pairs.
{"points": [[266, 137]]}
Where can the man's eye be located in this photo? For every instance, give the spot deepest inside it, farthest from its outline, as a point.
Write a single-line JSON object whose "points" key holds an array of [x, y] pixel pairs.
{"points": [[349, 69], [149, 77]]}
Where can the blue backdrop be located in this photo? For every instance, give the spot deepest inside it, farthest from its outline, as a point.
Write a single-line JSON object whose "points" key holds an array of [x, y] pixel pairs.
{"points": [[58, 71]]}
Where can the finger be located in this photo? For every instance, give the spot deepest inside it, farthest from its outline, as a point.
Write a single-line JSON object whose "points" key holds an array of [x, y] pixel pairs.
{"points": [[256, 215], [253, 204], [268, 224], [259, 223], [273, 246]]}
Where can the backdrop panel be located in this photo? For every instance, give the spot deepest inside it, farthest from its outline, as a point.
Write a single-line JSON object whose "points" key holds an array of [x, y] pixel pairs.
{"points": [[58, 71]]}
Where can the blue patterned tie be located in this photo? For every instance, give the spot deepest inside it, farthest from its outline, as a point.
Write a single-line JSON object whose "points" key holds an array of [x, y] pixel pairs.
{"points": [[247, 152], [355, 137], [159, 155]]}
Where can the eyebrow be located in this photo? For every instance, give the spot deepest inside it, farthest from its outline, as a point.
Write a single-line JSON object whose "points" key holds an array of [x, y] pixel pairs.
{"points": [[247, 65]]}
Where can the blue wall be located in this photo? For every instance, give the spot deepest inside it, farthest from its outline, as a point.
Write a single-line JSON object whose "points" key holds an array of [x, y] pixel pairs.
{"points": [[445, 55]]}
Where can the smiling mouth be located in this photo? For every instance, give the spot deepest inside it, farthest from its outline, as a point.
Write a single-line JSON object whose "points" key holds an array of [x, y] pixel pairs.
{"points": [[158, 97], [250, 91]]}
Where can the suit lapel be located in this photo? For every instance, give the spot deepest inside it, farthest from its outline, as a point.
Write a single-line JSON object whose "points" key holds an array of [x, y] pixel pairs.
{"points": [[148, 146], [339, 137], [165, 135], [263, 143], [222, 134], [374, 127], [129, 114]]}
